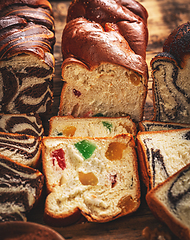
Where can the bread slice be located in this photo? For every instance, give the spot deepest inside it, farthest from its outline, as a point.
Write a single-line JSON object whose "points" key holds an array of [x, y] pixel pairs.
{"points": [[97, 177], [162, 153], [26, 60], [29, 124], [90, 127], [169, 201], [20, 188], [171, 77], [24, 149], [104, 66], [159, 126]]}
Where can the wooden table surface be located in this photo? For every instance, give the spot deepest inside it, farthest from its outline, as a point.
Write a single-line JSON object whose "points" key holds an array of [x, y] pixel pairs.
{"points": [[164, 16]]}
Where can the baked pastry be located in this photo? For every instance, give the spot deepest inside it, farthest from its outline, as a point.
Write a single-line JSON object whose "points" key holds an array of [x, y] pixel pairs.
{"points": [[20, 188], [90, 127], [162, 153], [26, 60], [171, 77], [29, 124], [25, 149], [159, 126], [104, 68], [95, 177], [169, 201]]}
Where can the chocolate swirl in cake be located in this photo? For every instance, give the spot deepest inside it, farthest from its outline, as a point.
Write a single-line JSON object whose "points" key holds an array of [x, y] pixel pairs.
{"points": [[29, 124], [21, 148], [20, 187]]}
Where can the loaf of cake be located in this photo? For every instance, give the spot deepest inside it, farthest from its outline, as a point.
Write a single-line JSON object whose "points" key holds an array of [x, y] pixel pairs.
{"points": [[29, 124], [90, 127], [104, 68], [159, 126], [162, 153], [22, 148], [95, 177], [26, 61], [171, 78], [169, 201], [20, 188]]}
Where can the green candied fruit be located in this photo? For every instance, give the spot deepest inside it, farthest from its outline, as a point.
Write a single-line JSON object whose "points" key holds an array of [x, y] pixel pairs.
{"points": [[107, 125], [86, 148], [59, 134]]}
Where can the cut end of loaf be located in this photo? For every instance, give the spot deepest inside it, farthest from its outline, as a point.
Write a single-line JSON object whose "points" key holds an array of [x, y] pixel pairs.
{"points": [[110, 90]]}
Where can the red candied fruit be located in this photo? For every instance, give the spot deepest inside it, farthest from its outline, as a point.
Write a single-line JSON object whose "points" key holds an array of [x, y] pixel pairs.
{"points": [[59, 156]]}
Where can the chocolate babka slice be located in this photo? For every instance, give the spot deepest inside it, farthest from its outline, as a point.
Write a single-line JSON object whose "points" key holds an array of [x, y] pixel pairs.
{"points": [[29, 124], [20, 188], [26, 60], [170, 200], [171, 78], [25, 149], [162, 153]]}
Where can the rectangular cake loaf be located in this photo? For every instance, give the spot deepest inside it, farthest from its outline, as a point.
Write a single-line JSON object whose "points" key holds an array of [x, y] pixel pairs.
{"points": [[95, 177]]}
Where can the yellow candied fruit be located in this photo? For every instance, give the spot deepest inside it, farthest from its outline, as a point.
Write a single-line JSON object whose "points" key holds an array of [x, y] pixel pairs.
{"points": [[135, 79], [127, 204], [115, 151], [69, 131], [88, 178]]}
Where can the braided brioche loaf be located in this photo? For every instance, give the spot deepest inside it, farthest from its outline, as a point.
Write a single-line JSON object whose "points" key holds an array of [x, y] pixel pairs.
{"points": [[95, 177], [171, 78], [26, 60], [104, 68]]}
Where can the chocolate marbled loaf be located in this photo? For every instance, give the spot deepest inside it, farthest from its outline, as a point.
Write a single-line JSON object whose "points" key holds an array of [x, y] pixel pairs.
{"points": [[26, 60], [20, 188], [170, 200], [29, 124], [171, 78], [159, 126], [25, 149], [162, 153], [104, 68]]}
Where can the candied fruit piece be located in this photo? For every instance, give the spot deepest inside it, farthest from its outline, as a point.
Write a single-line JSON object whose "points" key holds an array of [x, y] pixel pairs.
{"points": [[107, 125], [77, 93], [115, 151], [113, 179], [69, 131], [59, 156], [127, 203], [88, 178], [86, 148], [135, 79]]}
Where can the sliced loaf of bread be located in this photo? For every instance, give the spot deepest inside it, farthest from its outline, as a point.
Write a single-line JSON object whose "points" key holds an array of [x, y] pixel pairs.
{"points": [[162, 153], [169, 201], [95, 177], [90, 127], [20, 188]]}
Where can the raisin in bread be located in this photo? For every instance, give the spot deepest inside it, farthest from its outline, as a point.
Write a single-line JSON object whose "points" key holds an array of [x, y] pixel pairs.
{"points": [[170, 200], [29, 124], [20, 188], [25, 149], [97, 177], [90, 127], [171, 77], [104, 67], [26, 60], [162, 153], [159, 126]]}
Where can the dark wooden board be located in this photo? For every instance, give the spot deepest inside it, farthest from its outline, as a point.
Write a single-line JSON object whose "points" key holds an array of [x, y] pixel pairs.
{"points": [[164, 16]]}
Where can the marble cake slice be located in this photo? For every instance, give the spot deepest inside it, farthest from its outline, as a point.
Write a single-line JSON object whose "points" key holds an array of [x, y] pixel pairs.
{"points": [[162, 153], [29, 124], [20, 188], [21, 148], [170, 200]]}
